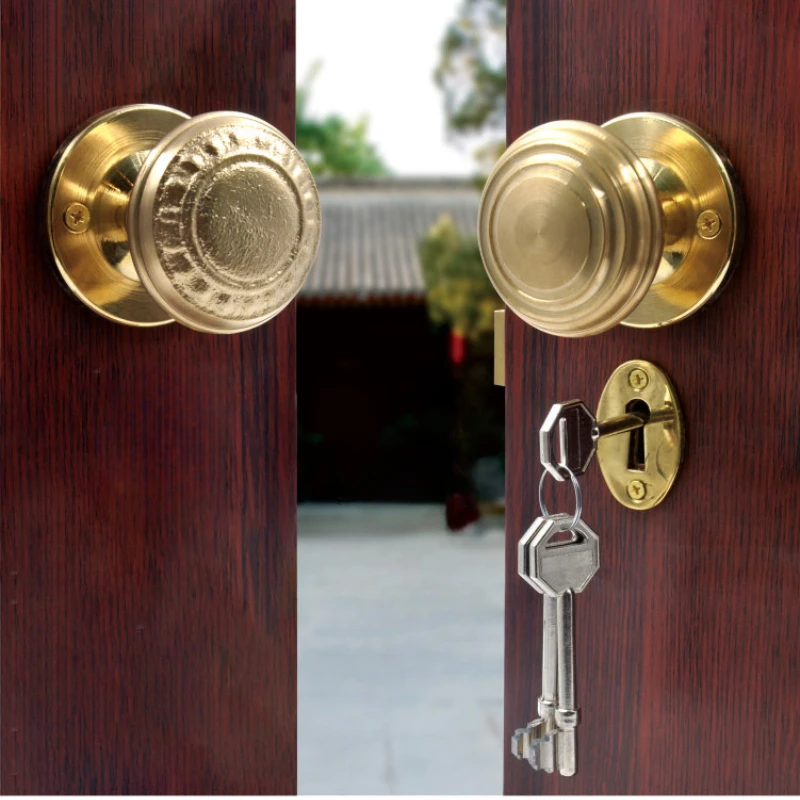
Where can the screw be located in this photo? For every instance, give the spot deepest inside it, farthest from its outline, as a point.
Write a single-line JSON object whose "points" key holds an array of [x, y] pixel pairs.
{"points": [[636, 490], [709, 224], [638, 379], [76, 217]]}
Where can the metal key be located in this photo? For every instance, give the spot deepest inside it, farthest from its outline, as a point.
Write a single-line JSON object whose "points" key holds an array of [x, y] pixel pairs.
{"points": [[571, 426], [559, 569], [572, 431]]}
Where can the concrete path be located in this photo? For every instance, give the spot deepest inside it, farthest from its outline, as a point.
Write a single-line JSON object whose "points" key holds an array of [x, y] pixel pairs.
{"points": [[400, 653]]}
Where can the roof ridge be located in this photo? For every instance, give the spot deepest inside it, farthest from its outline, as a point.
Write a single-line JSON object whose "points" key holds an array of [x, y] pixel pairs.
{"points": [[404, 182]]}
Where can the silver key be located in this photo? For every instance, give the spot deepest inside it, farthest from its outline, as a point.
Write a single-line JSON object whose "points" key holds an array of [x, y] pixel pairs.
{"points": [[543, 566], [559, 569], [569, 430]]}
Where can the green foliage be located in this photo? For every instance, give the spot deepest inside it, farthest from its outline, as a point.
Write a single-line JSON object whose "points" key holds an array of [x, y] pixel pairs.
{"points": [[472, 68], [458, 291], [333, 146]]}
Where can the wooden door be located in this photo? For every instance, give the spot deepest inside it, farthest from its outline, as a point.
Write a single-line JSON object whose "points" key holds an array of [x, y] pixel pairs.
{"points": [[147, 476], [688, 639]]}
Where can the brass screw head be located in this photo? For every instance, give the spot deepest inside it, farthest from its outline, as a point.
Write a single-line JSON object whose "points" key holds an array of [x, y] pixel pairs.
{"points": [[638, 379], [76, 217], [709, 224], [636, 490]]}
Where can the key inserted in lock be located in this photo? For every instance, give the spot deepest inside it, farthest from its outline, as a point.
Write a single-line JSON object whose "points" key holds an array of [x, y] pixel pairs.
{"points": [[572, 430], [639, 467], [640, 472]]}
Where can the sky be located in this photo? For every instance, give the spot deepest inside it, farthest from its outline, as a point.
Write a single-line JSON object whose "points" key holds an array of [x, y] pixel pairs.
{"points": [[378, 59]]}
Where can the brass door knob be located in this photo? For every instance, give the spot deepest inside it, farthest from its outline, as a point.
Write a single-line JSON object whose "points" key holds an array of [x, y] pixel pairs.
{"points": [[153, 217], [582, 227]]}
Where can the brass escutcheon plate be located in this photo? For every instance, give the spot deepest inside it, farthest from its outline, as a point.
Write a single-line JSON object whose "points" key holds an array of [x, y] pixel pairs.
{"points": [[701, 210], [641, 486], [89, 187]]}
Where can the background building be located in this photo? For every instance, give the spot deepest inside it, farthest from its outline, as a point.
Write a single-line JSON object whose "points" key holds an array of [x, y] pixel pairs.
{"points": [[377, 390]]}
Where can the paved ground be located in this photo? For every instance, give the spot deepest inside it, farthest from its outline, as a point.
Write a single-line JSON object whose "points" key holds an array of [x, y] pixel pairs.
{"points": [[400, 653]]}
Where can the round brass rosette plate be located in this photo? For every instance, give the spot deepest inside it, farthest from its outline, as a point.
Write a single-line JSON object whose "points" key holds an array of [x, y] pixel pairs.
{"points": [[90, 183], [702, 212], [582, 227], [212, 221], [634, 386]]}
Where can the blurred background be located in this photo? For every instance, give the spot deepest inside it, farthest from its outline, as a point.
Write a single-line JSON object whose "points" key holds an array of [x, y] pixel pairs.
{"points": [[400, 114]]}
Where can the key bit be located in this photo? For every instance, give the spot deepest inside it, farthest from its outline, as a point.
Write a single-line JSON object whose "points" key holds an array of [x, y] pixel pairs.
{"points": [[542, 752], [520, 743], [536, 744], [525, 738]]}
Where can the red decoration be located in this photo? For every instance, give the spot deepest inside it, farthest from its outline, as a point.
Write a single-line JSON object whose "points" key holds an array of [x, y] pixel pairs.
{"points": [[458, 348]]}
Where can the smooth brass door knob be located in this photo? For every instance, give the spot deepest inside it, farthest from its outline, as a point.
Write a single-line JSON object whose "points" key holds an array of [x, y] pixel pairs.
{"points": [[582, 227], [153, 217]]}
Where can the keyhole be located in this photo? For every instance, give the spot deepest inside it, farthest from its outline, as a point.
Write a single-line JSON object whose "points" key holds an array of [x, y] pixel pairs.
{"points": [[636, 458]]}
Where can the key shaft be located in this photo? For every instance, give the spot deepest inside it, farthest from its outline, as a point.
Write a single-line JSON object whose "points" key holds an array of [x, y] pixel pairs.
{"points": [[566, 715], [549, 651], [617, 425], [543, 750], [633, 420]]}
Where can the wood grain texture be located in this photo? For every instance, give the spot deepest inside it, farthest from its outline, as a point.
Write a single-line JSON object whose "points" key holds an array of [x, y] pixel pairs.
{"points": [[688, 671], [147, 476]]}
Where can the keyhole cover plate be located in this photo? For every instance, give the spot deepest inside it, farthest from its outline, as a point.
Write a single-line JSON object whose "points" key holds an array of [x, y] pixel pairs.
{"points": [[641, 486]]}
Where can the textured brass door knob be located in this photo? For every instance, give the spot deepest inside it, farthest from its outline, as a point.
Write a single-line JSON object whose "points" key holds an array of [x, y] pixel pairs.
{"points": [[153, 217], [582, 227]]}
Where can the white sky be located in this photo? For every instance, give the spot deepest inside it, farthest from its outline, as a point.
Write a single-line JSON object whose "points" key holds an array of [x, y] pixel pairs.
{"points": [[378, 59]]}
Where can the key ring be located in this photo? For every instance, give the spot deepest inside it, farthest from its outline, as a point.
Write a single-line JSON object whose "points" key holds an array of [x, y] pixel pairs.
{"points": [[578, 496]]}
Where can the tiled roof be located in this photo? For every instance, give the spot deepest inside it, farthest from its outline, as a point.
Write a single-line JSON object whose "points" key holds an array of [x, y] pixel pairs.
{"points": [[370, 235]]}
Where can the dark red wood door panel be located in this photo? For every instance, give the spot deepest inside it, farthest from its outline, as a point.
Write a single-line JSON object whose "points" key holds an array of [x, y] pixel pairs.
{"points": [[688, 672], [147, 476]]}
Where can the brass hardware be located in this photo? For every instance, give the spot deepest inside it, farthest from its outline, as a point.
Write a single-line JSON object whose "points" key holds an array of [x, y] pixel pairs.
{"points": [[76, 217], [634, 222], [709, 224], [638, 379], [213, 222], [655, 404], [499, 347], [636, 490]]}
